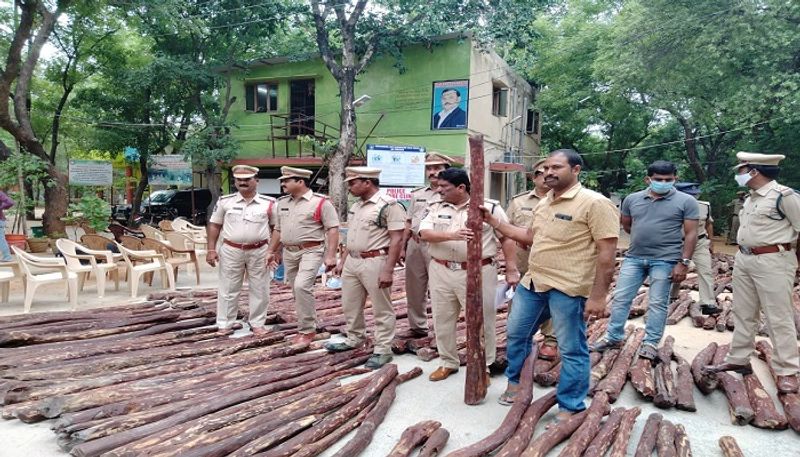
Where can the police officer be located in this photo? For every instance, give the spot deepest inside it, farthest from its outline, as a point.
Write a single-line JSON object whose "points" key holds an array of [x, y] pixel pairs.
{"points": [[416, 254], [702, 252], [444, 227], [765, 268], [520, 213], [374, 240], [244, 218], [308, 229]]}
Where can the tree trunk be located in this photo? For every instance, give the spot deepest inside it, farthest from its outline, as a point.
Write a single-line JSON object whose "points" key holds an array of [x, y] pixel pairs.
{"points": [[347, 145], [140, 188], [214, 184], [56, 200]]}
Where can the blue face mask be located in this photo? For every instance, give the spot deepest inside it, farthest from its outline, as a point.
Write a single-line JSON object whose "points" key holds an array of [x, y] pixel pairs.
{"points": [[661, 187]]}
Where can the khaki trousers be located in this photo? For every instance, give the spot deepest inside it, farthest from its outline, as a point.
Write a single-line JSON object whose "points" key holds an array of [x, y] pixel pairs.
{"points": [[448, 298], [417, 260], [523, 256], [705, 278], [301, 269], [764, 283], [359, 279], [233, 264]]}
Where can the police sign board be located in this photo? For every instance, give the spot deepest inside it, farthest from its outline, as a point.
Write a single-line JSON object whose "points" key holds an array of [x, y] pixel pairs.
{"points": [[401, 166]]}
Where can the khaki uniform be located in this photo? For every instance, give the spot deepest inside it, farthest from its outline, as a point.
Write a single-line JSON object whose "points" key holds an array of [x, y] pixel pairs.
{"points": [[449, 282], [764, 282], [369, 223], [520, 213], [702, 258], [417, 260], [243, 223], [300, 222], [737, 204]]}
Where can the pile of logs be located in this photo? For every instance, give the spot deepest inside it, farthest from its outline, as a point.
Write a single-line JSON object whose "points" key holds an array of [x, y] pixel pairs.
{"points": [[748, 401]]}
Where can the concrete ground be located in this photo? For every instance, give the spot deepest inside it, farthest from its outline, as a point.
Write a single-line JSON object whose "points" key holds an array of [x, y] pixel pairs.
{"points": [[420, 399]]}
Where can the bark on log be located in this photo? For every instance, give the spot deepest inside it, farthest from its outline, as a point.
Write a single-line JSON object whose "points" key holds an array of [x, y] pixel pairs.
{"points": [[729, 447], [524, 432], [722, 319], [476, 380], [641, 374], [663, 376], [684, 395], [409, 375], [647, 442], [696, 315], [620, 446], [706, 384], [550, 378], [738, 403], [665, 441], [434, 445], [601, 442], [615, 381], [521, 403], [366, 430], [588, 429], [324, 443], [682, 446], [766, 414], [680, 311], [709, 323], [554, 435], [602, 368], [790, 402], [412, 437]]}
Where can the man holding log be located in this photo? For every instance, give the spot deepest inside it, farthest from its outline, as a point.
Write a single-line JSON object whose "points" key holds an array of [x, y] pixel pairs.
{"points": [[416, 251], [374, 238], [662, 223], [520, 213], [444, 227], [244, 219], [765, 268], [305, 222], [573, 240]]}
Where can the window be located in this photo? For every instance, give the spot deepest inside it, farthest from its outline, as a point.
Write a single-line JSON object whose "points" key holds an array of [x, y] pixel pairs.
{"points": [[261, 97], [532, 122], [499, 101]]}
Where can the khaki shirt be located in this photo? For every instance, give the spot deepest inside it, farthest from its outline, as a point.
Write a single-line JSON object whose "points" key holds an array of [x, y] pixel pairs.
{"points": [[244, 222], [520, 214], [364, 232], [420, 199], [759, 223], [564, 253], [447, 217], [296, 220], [705, 216]]}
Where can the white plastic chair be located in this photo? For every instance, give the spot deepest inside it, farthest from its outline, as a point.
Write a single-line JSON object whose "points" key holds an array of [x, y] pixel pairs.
{"points": [[181, 224], [196, 232], [45, 270], [146, 262], [153, 233], [5, 281], [69, 249]]}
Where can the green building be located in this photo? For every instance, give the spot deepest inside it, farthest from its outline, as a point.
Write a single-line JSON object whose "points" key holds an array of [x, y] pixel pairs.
{"points": [[443, 94]]}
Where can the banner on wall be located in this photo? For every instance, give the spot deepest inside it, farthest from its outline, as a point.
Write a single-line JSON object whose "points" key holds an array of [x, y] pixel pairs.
{"points": [[401, 166], [169, 170], [90, 173]]}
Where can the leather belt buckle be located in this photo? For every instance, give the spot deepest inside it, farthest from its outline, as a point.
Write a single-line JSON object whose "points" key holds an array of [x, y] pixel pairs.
{"points": [[745, 250], [454, 266]]}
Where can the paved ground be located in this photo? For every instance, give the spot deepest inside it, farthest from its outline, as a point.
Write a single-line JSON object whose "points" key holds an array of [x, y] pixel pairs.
{"points": [[420, 399]]}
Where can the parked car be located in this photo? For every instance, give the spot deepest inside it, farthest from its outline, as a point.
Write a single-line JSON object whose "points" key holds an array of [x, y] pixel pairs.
{"points": [[169, 204]]}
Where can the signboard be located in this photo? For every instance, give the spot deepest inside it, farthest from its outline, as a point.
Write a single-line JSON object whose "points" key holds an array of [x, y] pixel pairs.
{"points": [[401, 166], [169, 170], [90, 173]]}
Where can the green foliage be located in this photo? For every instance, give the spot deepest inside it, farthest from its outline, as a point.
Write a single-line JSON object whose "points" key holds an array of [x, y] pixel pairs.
{"points": [[30, 167], [209, 147], [325, 148], [91, 211]]}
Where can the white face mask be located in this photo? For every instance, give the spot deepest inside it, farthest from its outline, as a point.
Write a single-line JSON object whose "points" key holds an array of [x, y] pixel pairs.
{"points": [[743, 179]]}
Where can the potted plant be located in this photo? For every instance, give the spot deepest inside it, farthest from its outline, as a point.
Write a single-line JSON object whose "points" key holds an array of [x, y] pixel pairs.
{"points": [[91, 213]]}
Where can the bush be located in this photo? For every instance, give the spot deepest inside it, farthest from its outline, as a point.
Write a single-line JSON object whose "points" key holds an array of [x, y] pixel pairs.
{"points": [[90, 211]]}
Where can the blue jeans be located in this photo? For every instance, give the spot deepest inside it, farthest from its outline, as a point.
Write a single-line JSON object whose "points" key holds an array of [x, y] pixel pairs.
{"points": [[5, 253], [529, 310], [631, 277]]}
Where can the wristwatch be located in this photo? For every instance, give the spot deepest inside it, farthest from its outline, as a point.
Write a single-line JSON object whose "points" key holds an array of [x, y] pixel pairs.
{"points": [[686, 262]]}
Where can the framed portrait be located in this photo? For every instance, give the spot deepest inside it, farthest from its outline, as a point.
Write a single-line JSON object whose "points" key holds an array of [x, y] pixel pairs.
{"points": [[450, 104]]}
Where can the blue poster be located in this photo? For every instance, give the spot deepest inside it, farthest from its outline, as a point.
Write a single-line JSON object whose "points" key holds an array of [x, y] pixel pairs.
{"points": [[401, 166], [450, 105]]}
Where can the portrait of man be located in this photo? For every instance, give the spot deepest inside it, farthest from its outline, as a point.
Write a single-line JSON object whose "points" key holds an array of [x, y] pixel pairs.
{"points": [[450, 104]]}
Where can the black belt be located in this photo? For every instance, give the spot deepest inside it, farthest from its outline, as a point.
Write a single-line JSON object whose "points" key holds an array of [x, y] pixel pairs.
{"points": [[702, 236]]}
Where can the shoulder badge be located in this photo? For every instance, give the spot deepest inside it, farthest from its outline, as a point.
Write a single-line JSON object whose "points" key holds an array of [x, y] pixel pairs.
{"points": [[222, 197], [283, 197], [521, 194], [321, 195]]}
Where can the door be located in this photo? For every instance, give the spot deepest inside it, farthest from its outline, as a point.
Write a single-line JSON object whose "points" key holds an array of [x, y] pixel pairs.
{"points": [[301, 107]]}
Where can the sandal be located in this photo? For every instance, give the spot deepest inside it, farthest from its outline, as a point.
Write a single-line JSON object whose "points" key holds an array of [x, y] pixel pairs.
{"points": [[649, 352], [507, 398], [605, 344]]}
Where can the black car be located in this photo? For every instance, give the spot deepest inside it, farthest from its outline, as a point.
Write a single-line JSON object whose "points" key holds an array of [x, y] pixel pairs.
{"points": [[169, 204]]}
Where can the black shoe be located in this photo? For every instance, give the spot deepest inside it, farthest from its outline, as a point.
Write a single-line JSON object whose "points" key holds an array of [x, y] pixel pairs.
{"points": [[376, 361], [605, 344], [708, 310]]}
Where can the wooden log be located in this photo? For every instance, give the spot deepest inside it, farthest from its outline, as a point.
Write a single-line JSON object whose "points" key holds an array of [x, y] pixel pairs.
{"points": [[663, 376], [277, 435], [638, 306], [641, 375], [698, 319], [602, 368], [738, 403], [588, 430], [790, 402], [412, 437], [613, 383], [365, 432], [665, 441], [682, 446], [550, 378], [620, 446], [476, 379], [324, 443], [710, 322], [602, 441], [427, 354], [409, 375], [729, 447], [766, 414], [706, 384], [434, 445], [680, 311], [647, 442], [524, 432], [554, 435], [722, 319], [496, 439], [684, 385]]}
